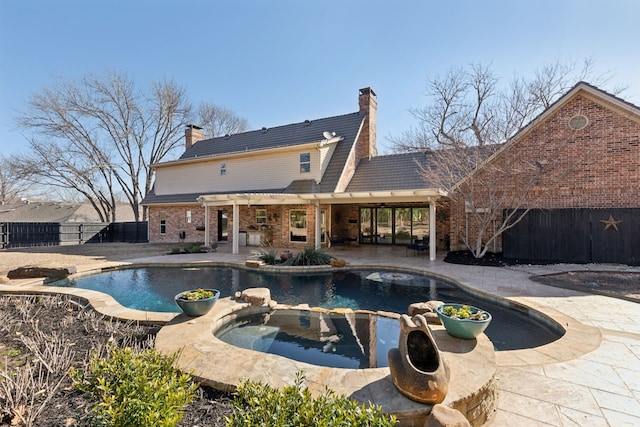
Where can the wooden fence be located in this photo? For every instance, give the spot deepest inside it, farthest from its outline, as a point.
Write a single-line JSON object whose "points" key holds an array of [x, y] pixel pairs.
{"points": [[25, 234], [576, 236]]}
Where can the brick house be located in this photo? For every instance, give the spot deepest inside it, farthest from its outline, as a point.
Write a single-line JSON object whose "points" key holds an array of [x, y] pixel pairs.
{"points": [[321, 181], [592, 139], [318, 182]]}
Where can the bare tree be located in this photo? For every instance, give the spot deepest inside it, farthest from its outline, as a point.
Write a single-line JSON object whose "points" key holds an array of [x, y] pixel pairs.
{"points": [[469, 120], [99, 136], [218, 121], [14, 179]]}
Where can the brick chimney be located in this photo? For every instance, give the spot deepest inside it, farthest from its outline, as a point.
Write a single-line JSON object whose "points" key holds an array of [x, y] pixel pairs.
{"points": [[367, 145], [193, 134]]}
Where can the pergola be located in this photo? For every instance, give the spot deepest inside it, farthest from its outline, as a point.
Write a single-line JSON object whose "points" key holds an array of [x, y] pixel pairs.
{"points": [[395, 196]]}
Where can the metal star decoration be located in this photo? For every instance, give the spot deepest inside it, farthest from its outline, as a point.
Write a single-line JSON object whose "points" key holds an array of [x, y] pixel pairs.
{"points": [[610, 223]]}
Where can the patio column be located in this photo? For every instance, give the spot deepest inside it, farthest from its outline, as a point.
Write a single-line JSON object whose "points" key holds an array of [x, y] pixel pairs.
{"points": [[206, 225], [318, 242], [236, 228], [432, 230]]}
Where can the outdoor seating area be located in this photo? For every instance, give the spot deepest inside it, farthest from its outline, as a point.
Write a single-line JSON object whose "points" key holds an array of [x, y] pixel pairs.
{"points": [[418, 247], [340, 241]]}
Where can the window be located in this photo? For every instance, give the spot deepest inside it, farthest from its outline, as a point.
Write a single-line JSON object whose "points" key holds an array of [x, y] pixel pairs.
{"points": [[578, 122], [298, 226], [188, 217], [261, 216], [305, 162], [163, 223], [223, 168]]}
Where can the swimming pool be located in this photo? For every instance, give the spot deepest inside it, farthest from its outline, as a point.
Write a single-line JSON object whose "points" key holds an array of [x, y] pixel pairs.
{"points": [[350, 340], [153, 289]]}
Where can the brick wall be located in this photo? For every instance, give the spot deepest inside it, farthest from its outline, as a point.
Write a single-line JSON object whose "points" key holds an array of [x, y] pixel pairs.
{"points": [[595, 167], [277, 223], [366, 146], [176, 223]]}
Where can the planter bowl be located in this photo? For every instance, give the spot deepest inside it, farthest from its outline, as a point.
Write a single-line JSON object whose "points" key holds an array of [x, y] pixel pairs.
{"points": [[463, 328], [194, 308]]}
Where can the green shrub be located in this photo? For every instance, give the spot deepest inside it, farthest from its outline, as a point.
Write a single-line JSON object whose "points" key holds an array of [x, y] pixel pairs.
{"points": [[193, 248], [309, 256], [176, 250], [266, 255], [135, 389], [257, 404]]}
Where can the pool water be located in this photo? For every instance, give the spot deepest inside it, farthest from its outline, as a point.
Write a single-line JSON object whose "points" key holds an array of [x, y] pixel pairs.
{"points": [[346, 340], [154, 288]]}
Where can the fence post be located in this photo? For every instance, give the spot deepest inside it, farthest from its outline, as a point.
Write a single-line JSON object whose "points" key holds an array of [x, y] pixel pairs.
{"points": [[4, 233]]}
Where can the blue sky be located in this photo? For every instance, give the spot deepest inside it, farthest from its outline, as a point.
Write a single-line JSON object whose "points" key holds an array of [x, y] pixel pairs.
{"points": [[283, 61]]}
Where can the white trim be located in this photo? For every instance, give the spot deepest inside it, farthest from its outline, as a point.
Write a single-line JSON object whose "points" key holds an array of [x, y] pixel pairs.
{"points": [[236, 229], [398, 196], [432, 230]]}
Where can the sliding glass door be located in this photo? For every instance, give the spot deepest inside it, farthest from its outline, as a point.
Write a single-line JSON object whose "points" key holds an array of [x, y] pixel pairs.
{"points": [[393, 225]]}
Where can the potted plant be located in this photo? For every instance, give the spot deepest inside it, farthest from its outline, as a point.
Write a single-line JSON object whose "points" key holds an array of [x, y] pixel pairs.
{"points": [[462, 320], [197, 302]]}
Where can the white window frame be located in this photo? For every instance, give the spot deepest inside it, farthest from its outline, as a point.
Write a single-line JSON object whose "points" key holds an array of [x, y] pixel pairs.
{"points": [[305, 162], [163, 223], [261, 216], [294, 230]]}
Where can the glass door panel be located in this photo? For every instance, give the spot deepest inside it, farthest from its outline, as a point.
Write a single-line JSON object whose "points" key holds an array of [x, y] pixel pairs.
{"points": [[403, 226], [223, 226], [298, 226], [420, 223], [366, 225], [384, 226]]}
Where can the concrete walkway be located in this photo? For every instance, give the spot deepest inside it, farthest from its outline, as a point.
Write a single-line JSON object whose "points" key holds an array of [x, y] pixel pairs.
{"points": [[595, 383]]}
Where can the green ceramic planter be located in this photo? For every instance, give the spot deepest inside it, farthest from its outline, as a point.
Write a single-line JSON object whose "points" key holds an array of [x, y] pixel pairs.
{"points": [[200, 307], [463, 328]]}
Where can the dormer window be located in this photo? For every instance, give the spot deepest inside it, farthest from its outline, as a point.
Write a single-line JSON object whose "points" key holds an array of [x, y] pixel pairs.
{"points": [[305, 162], [223, 168]]}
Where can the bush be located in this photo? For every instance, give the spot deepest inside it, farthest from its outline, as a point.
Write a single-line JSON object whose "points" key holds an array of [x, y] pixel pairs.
{"points": [[194, 248], [135, 389], [309, 256], [266, 255], [256, 404]]}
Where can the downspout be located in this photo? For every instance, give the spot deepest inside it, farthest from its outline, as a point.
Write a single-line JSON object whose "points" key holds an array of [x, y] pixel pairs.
{"points": [[236, 228], [432, 230]]}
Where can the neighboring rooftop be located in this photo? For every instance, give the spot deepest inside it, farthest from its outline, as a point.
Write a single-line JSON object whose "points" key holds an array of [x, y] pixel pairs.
{"points": [[39, 211]]}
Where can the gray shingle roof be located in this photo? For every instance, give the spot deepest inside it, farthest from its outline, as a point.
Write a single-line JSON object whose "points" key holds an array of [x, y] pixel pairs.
{"points": [[279, 136], [38, 211], [391, 172], [153, 199], [346, 126], [302, 186]]}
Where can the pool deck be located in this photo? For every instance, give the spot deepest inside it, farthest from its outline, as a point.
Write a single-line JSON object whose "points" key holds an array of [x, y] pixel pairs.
{"points": [[593, 378]]}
